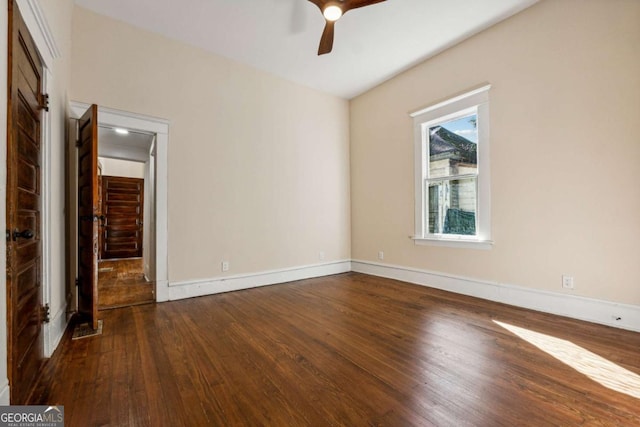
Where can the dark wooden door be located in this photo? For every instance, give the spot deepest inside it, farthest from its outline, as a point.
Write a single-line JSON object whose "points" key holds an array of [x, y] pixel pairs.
{"points": [[24, 247], [122, 207], [88, 216]]}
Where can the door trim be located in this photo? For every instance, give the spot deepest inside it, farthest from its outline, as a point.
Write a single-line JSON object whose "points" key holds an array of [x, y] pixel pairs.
{"points": [[4, 41], [160, 127], [36, 22]]}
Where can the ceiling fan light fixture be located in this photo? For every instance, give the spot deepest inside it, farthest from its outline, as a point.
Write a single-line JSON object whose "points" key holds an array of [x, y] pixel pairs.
{"points": [[332, 12]]}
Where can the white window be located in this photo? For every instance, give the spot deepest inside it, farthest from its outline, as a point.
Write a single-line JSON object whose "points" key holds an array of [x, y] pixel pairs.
{"points": [[452, 189]]}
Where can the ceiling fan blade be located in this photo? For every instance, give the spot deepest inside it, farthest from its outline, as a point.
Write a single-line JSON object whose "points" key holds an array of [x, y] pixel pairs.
{"points": [[354, 4], [326, 41]]}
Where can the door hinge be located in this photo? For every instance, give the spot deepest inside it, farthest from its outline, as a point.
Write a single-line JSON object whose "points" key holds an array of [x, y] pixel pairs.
{"points": [[77, 282], [45, 313], [44, 102]]}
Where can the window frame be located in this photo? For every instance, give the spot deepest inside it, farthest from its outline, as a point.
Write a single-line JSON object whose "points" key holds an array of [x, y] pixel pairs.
{"points": [[472, 102]]}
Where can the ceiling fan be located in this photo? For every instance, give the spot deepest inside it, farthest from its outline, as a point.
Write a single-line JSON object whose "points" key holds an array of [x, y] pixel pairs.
{"points": [[332, 10]]}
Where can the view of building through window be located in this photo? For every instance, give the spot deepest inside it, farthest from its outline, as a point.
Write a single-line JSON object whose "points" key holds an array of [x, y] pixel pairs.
{"points": [[452, 176]]}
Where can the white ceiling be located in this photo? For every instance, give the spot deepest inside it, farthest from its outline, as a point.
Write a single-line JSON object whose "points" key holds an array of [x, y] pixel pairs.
{"points": [[133, 146], [281, 37]]}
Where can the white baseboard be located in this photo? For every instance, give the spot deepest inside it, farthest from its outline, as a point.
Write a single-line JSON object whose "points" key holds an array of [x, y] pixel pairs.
{"points": [[54, 330], [5, 398], [608, 313], [162, 290], [195, 288]]}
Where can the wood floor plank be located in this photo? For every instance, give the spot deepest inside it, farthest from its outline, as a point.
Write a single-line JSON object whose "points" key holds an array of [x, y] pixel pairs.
{"points": [[311, 369], [350, 350]]}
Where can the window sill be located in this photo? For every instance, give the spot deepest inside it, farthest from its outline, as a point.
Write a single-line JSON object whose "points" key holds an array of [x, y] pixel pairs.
{"points": [[453, 242]]}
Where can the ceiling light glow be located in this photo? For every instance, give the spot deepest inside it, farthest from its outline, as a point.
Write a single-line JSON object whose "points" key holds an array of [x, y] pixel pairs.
{"points": [[332, 12], [121, 131]]}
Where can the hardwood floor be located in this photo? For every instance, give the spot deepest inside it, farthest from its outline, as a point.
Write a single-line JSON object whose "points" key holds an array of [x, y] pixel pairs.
{"points": [[121, 283], [349, 349]]}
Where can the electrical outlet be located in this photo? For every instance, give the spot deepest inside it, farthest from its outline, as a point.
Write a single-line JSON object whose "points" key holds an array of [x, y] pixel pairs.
{"points": [[381, 255], [567, 281], [225, 265], [321, 255]]}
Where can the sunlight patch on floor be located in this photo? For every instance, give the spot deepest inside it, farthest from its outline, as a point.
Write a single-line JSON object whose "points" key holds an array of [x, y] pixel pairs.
{"points": [[587, 363]]}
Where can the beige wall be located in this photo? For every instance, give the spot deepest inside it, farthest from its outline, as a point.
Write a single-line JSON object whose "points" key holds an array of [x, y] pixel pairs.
{"points": [[565, 153], [258, 166], [117, 167]]}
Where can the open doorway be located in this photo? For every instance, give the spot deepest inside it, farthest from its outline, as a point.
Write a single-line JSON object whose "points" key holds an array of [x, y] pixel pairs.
{"points": [[146, 144], [125, 204]]}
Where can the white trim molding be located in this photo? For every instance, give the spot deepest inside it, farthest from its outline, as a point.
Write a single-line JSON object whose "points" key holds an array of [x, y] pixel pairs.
{"points": [[196, 288], [36, 21], [54, 331], [608, 313], [5, 399], [453, 242]]}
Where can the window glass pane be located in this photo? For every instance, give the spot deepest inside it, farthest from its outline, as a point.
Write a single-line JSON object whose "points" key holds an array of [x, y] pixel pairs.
{"points": [[452, 207], [453, 147]]}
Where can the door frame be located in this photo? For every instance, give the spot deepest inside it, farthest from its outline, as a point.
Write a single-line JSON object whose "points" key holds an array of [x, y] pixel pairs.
{"points": [[160, 127]]}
